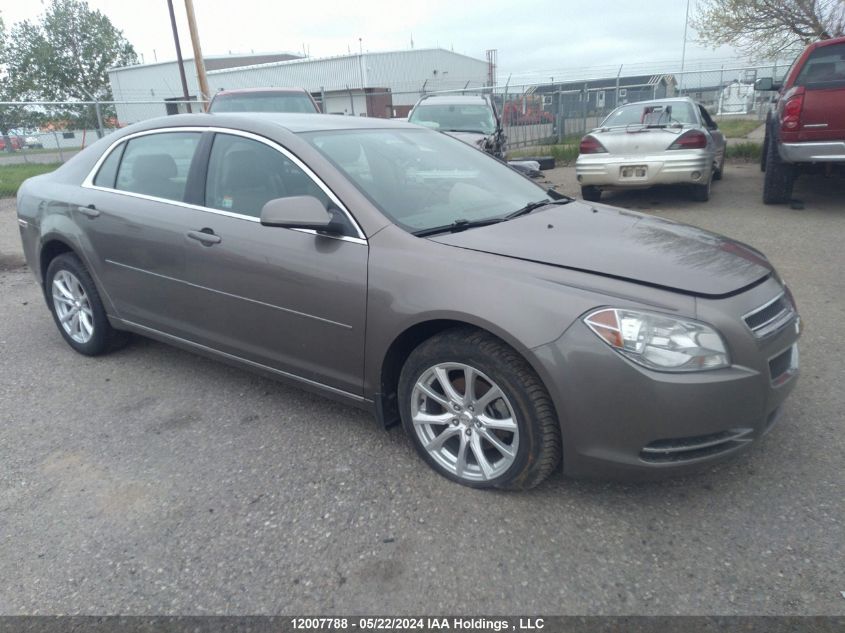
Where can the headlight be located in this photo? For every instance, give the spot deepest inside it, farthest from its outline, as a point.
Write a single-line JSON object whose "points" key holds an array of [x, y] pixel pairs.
{"points": [[658, 341]]}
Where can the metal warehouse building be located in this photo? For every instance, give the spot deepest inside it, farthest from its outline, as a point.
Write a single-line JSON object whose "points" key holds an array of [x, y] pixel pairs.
{"points": [[369, 84]]}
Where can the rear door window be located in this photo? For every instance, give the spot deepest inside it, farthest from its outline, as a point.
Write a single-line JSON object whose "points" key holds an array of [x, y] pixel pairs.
{"points": [[244, 174], [824, 68], [158, 164]]}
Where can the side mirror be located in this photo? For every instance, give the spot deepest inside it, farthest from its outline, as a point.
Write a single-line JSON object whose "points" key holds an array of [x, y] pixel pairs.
{"points": [[766, 84], [297, 212]]}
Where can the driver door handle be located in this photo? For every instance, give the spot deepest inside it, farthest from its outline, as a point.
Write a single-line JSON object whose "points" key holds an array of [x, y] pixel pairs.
{"points": [[205, 237]]}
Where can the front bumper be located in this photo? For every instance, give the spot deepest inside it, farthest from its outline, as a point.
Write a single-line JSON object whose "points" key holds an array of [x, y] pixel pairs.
{"points": [[667, 168], [813, 152], [620, 420]]}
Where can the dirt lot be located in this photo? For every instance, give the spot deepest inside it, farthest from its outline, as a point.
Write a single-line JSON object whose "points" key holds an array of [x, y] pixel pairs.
{"points": [[154, 481]]}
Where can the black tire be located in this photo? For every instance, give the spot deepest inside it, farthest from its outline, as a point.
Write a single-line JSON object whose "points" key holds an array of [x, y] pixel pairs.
{"points": [[779, 178], [591, 194], [539, 450], [764, 152], [701, 193], [718, 171], [104, 337]]}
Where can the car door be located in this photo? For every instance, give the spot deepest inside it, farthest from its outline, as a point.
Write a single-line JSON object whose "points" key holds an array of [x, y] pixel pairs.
{"points": [[133, 219], [291, 300], [719, 142]]}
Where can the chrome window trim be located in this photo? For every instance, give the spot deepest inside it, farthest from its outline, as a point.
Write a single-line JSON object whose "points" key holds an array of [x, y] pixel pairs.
{"points": [[88, 182]]}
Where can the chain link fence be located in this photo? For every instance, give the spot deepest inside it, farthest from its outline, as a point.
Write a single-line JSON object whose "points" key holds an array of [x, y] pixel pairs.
{"points": [[538, 117]]}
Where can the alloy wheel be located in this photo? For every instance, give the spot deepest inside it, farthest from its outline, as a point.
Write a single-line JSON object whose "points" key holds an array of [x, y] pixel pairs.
{"points": [[72, 306], [464, 421]]}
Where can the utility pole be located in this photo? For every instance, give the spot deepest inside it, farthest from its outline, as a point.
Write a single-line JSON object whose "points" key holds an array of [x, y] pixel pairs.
{"points": [[684, 49], [195, 40], [184, 79]]}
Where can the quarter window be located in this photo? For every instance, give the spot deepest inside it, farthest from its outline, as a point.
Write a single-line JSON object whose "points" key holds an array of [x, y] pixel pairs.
{"points": [[244, 174], [108, 170], [158, 164]]}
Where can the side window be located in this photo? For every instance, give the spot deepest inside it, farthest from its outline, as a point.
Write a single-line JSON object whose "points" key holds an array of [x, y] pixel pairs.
{"points": [[108, 170], [244, 174], [158, 164]]}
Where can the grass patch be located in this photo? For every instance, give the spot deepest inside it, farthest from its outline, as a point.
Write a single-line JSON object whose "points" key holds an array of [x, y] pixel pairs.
{"points": [[738, 128], [564, 154], [748, 151], [11, 176]]}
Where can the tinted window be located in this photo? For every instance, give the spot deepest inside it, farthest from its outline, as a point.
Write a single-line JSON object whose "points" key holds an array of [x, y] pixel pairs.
{"points": [[244, 174], [108, 170], [824, 68], [263, 102], [158, 164]]}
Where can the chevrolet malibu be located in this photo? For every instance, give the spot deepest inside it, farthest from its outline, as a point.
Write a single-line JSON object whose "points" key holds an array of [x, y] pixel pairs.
{"points": [[662, 142], [509, 329]]}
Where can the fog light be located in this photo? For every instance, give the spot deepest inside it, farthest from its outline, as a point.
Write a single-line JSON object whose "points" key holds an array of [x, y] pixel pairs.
{"points": [[696, 175]]}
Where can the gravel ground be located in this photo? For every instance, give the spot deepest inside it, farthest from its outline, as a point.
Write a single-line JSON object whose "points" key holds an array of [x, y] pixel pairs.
{"points": [[154, 481]]}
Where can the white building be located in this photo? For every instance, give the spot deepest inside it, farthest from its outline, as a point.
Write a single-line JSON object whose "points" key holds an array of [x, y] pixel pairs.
{"points": [[369, 84]]}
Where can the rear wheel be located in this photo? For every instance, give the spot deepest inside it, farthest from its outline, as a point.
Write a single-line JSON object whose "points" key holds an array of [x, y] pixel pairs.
{"points": [[477, 413], [591, 193], [779, 178], [77, 309], [719, 170]]}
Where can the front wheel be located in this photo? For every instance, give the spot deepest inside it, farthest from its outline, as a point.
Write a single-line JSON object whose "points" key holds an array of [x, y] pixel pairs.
{"points": [[477, 412]]}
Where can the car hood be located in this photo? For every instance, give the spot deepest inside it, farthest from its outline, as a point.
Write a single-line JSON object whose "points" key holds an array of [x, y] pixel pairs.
{"points": [[622, 244], [476, 139]]}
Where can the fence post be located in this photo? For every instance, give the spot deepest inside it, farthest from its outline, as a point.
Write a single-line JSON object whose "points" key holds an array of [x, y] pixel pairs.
{"points": [[559, 116], [58, 146], [323, 99], [584, 108], [100, 131], [351, 100]]}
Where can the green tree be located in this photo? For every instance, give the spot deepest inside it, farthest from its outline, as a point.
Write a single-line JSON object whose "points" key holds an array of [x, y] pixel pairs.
{"points": [[63, 55], [768, 28]]}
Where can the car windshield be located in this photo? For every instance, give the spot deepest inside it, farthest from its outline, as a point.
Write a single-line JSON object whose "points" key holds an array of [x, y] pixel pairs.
{"points": [[652, 114], [466, 117], [422, 180], [263, 102]]}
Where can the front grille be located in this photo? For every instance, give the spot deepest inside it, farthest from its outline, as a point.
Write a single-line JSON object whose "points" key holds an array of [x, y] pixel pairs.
{"points": [[688, 448], [782, 366], [770, 317]]}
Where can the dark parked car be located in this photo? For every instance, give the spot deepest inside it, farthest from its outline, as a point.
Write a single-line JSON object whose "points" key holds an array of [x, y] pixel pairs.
{"points": [[472, 119], [805, 129], [397, 269], [264, 100]]}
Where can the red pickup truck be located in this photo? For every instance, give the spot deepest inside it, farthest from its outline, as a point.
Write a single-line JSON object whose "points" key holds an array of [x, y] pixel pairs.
{"points": [[806, 127]]}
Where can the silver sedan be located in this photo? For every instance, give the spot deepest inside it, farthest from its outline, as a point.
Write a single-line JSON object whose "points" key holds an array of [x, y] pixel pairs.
{"points": [[661, 142]]}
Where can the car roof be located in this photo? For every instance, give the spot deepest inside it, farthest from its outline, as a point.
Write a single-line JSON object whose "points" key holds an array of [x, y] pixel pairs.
{"points": [[454, 99], [291, 121], [237, 91]]}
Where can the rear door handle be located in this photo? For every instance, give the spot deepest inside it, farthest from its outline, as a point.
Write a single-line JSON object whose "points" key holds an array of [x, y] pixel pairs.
{"points": [[205, 236], [90, 211]]}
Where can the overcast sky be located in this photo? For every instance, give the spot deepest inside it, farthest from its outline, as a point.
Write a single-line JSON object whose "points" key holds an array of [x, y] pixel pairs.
{"points": [[535, 39]]}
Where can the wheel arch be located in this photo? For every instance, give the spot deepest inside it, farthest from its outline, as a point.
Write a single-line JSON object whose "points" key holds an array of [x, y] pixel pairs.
{"points": [[394, 357]]}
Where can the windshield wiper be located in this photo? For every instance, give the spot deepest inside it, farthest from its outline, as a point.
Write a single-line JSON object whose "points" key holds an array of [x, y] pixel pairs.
{"points": [[457, 226], [533, 206]]}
